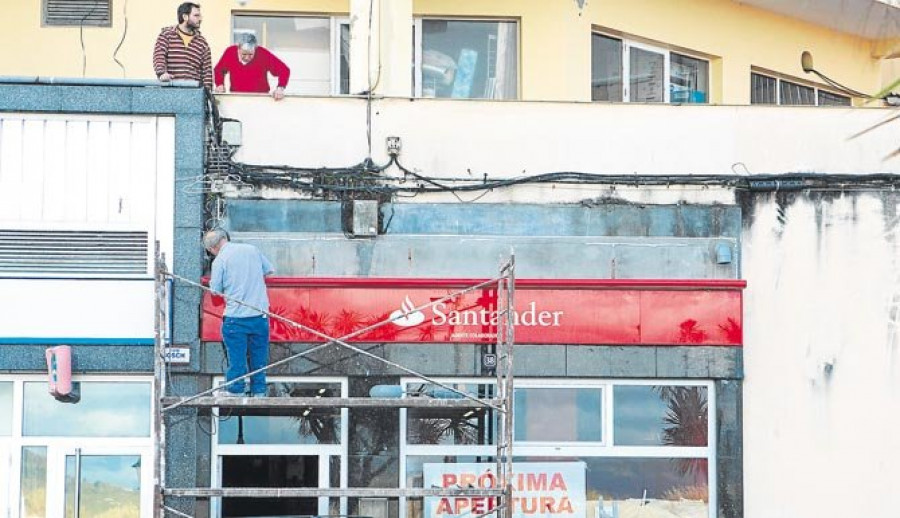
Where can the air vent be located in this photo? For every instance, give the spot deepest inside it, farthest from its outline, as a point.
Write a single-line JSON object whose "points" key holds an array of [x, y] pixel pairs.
{"points": [[78, 12], [55, 252]]}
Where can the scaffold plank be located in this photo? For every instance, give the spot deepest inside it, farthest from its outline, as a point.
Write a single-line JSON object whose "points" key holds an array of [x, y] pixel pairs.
{"points": [[314, 402], [311, 492]]}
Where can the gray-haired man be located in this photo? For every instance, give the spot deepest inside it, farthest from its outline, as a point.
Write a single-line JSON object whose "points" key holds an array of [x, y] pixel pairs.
{"points": [[239, 271], [248, 66]]}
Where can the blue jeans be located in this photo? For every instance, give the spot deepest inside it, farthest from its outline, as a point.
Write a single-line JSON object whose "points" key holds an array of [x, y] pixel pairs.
{"points": [[245, 337]]}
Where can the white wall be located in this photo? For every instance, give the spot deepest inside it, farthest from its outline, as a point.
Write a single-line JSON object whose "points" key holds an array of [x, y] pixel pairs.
{"points": [[456, 138], [83, 173], [823, 288]]}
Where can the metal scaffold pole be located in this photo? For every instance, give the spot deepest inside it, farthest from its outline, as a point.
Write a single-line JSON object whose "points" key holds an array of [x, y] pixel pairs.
{"points": [[502, 402], [504, 371], [159, 385]]}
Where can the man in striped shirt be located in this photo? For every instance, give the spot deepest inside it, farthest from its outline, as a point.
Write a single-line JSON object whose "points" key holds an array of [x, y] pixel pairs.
{"points": [[181, 52]]}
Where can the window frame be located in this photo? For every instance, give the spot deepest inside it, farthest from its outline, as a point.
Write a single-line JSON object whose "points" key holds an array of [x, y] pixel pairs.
{"points": [[666, 51], [324, 452], [418, 51], [335, 21], [781, 78], [57, 447], [607, 448]]}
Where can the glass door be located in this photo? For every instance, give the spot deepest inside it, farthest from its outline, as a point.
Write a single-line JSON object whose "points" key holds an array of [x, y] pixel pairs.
{"points": [[97, 482], [5, 470]]}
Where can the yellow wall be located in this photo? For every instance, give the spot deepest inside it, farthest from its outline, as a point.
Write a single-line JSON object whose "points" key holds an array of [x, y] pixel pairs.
{"points": [[555, 36], [56, 51], [555, 39]]}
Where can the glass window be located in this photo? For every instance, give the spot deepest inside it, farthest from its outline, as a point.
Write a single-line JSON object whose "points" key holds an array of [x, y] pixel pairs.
{"points": [[762, 89], [646, 75], [110, 485], [638, 486], [469, 59], [830, 99], [33, 497], [6, 394], [106, 409], [451, 425], [660, 415], [344, 44], [606, 68], [689, 81], [559, 414], [288, 426], [302, 42], [796, 94]]}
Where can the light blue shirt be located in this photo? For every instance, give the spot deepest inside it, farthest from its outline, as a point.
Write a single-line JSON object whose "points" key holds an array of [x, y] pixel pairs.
{"points": [[239, 271]]}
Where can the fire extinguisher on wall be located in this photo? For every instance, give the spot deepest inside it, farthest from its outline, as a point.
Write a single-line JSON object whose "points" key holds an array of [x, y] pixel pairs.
{"points": [[59, 370]]}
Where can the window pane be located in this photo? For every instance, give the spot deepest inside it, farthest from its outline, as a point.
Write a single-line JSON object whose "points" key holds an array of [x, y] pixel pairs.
{"points": [[33, 500], [466, 59], [6, 395], [794, 94], [110, 486], [303, 43], [415, 476], [606, 68], [658, 415], [646, 79], [830, 99], [106, 409], [558, 414], [642, 486], [450, 425], [689, 81], [287, 426], [762, 89], [345, 58]]}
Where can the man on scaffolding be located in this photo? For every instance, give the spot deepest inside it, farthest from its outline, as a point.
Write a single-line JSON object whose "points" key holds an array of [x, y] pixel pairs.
{"points": [[239, 271]]}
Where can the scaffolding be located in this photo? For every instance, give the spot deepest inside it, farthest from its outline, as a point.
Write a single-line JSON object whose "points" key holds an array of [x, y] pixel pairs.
{"points": [[502, 491]]}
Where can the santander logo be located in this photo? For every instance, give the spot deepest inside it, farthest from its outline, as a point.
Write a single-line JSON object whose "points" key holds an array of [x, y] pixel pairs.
{"points": [[530, 316], [405, 316]]}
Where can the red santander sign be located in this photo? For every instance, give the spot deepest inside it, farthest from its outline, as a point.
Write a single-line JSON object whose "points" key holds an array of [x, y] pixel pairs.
{"points": [[603, 312]]}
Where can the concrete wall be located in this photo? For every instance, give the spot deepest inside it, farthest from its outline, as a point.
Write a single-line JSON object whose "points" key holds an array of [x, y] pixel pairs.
{"points": [[822, 362], [469, 139]]}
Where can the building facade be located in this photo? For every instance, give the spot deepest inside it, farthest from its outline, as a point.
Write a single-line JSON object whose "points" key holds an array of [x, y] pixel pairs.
{"points": [[703, 235]]}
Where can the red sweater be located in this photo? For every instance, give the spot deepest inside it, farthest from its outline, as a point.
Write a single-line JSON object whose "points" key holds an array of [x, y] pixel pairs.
{"points": [[252, 77]]}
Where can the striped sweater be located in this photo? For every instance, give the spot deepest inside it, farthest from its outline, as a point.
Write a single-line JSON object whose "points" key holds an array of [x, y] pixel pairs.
{"points": [[191, 62]]}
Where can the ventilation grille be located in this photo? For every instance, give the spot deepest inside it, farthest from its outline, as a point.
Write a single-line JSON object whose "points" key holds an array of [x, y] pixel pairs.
{"points": [[77, 12], [56, 252]]}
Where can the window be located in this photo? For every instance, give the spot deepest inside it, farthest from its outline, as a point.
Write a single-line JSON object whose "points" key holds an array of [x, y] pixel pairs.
{"points": [[622, 448], [766, 89], [623, 70], [466, 59], [6, 406], [77, 12], [316, 49], [103, 442], [106, 409]]}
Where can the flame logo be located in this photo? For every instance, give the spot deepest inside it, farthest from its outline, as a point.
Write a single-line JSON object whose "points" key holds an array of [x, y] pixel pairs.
{"points": [[405, 316]]}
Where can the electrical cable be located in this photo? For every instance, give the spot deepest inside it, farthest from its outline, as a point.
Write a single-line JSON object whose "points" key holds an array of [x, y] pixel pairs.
{"points": [[122, 40]]}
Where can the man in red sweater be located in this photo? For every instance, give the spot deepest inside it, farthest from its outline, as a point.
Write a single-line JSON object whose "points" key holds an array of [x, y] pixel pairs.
{"points": [[248, 66]]}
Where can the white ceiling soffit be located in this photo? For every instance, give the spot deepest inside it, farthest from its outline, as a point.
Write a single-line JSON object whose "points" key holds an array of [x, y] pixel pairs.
{"points": [[872, 19]]}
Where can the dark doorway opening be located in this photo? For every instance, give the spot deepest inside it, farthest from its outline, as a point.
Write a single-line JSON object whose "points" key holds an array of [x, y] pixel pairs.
{"points": [[269, 471]]}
